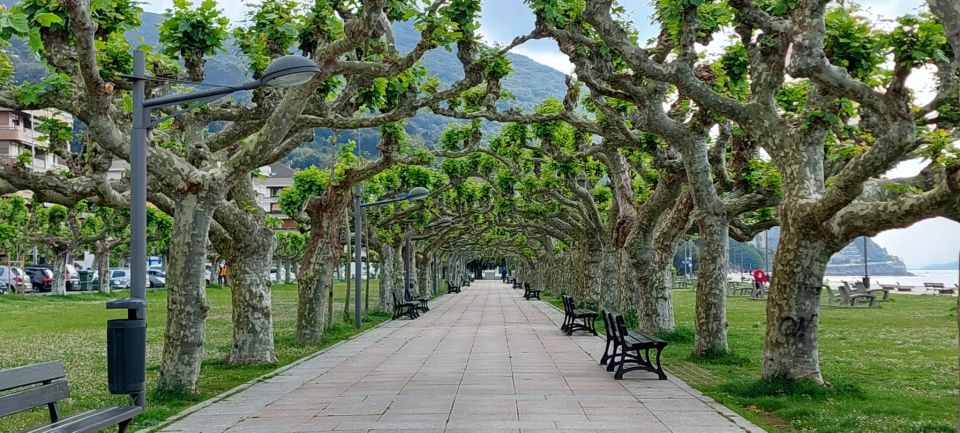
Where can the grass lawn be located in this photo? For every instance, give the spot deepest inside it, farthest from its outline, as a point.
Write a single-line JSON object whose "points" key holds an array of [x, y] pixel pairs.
{"points": [[891, 369], [73, 329]]}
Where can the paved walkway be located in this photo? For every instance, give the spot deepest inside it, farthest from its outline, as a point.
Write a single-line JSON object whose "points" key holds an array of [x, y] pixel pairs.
{"points": [[484, 360]]}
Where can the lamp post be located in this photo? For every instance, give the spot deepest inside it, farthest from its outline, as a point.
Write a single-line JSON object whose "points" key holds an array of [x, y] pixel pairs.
{"points": [[866, 273], [287, 71], [417, 193]]}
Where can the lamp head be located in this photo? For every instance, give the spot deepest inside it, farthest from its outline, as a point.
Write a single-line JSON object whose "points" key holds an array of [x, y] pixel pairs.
{"points": [[289, 71], [417, 193]]}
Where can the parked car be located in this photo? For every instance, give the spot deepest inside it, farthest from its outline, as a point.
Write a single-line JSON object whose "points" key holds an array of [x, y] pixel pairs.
{"points": [[41, 278], [70, 275], [14, 279], [119, 278], [73, 278], [157, 278], [206, 271], [276, 276]]}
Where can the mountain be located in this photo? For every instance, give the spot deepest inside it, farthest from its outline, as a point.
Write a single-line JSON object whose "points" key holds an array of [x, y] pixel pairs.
{"points": [[849, 261], [949, 266], [228, 68]]}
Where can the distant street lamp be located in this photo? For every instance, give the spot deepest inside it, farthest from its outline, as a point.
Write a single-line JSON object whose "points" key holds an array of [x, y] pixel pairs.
{"points": [[866, 273], [417, 193], [287, 71]]}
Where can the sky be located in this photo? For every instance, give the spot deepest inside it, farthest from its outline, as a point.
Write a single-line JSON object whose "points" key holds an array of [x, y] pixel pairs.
{"points": [[927, 242]]}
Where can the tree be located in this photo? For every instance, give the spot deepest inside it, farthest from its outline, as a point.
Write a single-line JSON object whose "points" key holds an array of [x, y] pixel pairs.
{"points": [[844, 122], [197, 173], [59, 230], [14, 217]]}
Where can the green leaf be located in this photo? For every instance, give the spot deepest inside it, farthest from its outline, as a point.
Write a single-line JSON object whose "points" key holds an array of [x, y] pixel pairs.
{"points": [[47, 19]]}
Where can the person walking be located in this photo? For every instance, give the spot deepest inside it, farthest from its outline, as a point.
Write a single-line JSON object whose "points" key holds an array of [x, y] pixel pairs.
{"points": [[222, 274]]}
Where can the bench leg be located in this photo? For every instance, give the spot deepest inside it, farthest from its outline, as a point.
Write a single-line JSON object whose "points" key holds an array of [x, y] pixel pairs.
{"points": [[660, 373], [606, 352], [623, 360], [122, 427], [615, 358]]}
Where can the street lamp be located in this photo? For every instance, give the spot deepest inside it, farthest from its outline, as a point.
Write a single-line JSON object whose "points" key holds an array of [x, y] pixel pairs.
{"points": [[416, 193], [283, 72], [866, 273]]}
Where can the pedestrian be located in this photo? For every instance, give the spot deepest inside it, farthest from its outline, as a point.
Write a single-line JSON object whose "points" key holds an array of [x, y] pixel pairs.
{"points": [[222, 274]]}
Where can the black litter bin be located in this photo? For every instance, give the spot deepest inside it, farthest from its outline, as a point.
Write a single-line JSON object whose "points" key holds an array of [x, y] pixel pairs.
{"points": [[126, 342]]}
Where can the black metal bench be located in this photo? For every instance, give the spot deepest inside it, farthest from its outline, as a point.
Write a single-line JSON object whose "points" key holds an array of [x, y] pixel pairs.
{"points": [[37, 385], [452, 288], [421, 301], [406, 308], [517, 284], [620, 344], [571, 314], [530, 293]]}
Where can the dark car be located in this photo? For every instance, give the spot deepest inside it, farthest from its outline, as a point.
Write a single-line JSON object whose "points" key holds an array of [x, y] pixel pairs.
{"points": [[41, 277], [70, 275]]}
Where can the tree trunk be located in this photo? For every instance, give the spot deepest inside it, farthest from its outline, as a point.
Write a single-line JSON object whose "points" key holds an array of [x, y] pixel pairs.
{"points": [[386, 279], [318, 267], [349, 281], [103, 266], [655, 297], [59, 284], [187, 304], [287, 270], [249, 265], [791, 348], [711, 315]]}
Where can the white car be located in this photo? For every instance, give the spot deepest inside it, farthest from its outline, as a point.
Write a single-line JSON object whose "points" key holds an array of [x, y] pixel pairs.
{"points": [[206, 271], [276, 276], [157, 278]]}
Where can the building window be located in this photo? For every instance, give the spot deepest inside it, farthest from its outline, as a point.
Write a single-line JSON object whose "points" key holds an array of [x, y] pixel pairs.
{"points": [[275, 191], [275, 207]]}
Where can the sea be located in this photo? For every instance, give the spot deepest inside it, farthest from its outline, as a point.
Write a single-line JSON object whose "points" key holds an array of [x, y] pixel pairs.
{"points": [[947, 277]]}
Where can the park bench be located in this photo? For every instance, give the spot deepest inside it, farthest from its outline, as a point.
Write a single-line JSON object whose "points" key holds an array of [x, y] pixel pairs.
{"points": [[626, 347], [846, 299], [571, 314], [859, 288], [421, 301], [451, 288], [42, 384], [517, 284], [938, 289], [530, 293], [406, 308]]}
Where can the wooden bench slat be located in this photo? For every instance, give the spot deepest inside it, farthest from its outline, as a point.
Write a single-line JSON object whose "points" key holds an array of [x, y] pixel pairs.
{"points": [[31, 374], [30, 398], [93, 421]]}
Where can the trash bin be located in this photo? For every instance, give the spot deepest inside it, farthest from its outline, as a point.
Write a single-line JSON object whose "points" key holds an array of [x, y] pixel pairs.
{"points": [[86, 280], [126, 343]]}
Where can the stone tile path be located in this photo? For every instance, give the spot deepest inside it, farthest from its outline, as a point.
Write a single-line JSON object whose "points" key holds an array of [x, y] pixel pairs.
{"points": [[484, 360]]}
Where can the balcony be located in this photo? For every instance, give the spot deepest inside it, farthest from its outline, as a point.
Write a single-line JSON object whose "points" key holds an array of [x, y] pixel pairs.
{"points": [[23, 135]]}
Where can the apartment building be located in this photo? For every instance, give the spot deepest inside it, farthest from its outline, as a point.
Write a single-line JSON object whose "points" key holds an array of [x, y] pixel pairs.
{"points": [[274, 178], [18, 137]]}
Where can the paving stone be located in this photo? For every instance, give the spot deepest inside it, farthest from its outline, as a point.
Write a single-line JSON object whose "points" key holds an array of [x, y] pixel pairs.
{"points": [[484, 360]]}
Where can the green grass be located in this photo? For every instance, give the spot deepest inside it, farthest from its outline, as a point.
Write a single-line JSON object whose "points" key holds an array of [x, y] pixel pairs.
{"points": [[890, 369], [73, 329]]}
